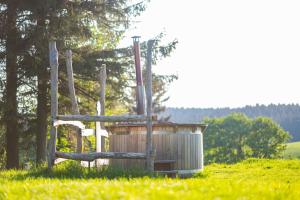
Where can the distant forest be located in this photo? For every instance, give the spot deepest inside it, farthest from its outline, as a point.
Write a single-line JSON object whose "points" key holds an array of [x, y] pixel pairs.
{"points": [[288, 116]]}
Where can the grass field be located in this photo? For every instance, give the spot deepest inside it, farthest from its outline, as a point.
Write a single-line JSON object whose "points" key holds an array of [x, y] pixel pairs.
{"points": [[251, 179], [292, 150]]}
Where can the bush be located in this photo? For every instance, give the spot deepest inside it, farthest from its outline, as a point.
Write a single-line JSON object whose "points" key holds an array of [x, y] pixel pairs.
{"points": [[237, 137]]}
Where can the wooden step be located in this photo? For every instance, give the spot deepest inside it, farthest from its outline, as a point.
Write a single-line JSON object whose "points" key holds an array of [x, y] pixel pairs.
{"points": [[164, 165]]}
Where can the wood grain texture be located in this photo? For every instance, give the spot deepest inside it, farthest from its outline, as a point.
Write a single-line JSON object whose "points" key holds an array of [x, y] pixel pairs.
{"points": [[72, 95], [94, 118], [185, 149], [96, 155], [53, 56], [149, 149]]}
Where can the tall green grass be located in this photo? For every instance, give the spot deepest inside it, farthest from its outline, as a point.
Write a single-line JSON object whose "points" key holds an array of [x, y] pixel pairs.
{"points": [[251, 179]]}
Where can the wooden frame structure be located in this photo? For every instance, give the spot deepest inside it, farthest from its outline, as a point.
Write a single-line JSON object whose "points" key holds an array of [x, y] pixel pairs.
{"points": [[76, 118]]}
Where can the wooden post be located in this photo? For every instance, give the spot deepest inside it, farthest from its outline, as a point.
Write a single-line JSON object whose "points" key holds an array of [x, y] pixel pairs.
{"points": [[140, 92], [102, 77], [53, 56], [101, 111], [149, 150], [72, 95]]}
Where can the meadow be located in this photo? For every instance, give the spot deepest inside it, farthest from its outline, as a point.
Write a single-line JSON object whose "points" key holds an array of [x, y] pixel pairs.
{"points": [[250, 179], [292, 150]]}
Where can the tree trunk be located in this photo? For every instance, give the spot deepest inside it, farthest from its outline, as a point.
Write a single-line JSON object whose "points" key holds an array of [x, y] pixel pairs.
{"points": [[42, 111], [11, 119], [41, 136]]}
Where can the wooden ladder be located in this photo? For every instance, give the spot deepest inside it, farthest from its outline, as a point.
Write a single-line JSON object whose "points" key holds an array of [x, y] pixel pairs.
{"points": [[76, 120]]}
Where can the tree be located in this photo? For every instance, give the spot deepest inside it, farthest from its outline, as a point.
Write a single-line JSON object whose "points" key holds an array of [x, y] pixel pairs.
{"points": [[267, 139], [237, 137], [92, 29], [11, 120], [225, 139]]}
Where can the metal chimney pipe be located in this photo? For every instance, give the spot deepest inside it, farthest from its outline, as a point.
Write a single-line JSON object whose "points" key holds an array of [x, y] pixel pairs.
{"points": [[140, 92]]}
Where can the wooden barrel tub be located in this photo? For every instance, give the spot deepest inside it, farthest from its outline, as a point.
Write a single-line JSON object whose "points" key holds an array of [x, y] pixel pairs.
{"points": [[180, 145]]}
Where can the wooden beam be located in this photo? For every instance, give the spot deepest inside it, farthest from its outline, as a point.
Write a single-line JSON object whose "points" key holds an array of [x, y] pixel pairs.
{"points": [[149, 150], [102, 78], [53, 57], [72, 95], [77, 124], [89, 118], [101, 111], [97, 155]]}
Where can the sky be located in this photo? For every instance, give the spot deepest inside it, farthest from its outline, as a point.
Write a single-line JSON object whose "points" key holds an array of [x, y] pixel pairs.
{"points": [[230, 53]]}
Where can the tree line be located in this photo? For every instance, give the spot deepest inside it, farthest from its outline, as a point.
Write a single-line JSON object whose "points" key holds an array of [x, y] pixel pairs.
{"points": [[287, 116], [92, 30]]}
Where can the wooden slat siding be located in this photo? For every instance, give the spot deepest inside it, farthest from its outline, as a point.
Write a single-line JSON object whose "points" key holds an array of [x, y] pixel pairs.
{"points": [[127, 143], [201, 150], [171, 152], [118, 162], [179, 151], [198, 153], [53, 58], [183, 148], [168, 144], [182, 151], [168, 152], [189, 150], [122, 147], [117, 140], [162, 140], [142, 147], [175, 150], [186, 154], [138, 163], [131, 147], [159, 148], [193, 152], [136, 147]]}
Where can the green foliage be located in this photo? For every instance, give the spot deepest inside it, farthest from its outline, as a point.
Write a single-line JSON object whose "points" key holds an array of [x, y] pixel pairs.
{"points": [[92, 30], [237, 137], [250, 179], [267, 139]]}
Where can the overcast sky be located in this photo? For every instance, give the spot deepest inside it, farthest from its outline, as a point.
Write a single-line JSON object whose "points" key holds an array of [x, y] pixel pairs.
{"points": [[231, 53]]}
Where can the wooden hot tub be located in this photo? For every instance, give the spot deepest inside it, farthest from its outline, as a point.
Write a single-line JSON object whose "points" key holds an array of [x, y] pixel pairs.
{"points": [[178, 146]]}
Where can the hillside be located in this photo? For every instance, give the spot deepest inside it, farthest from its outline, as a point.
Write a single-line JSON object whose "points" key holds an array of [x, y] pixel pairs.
{"points": [[288, 116], [251, 179], [292, 150]]}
